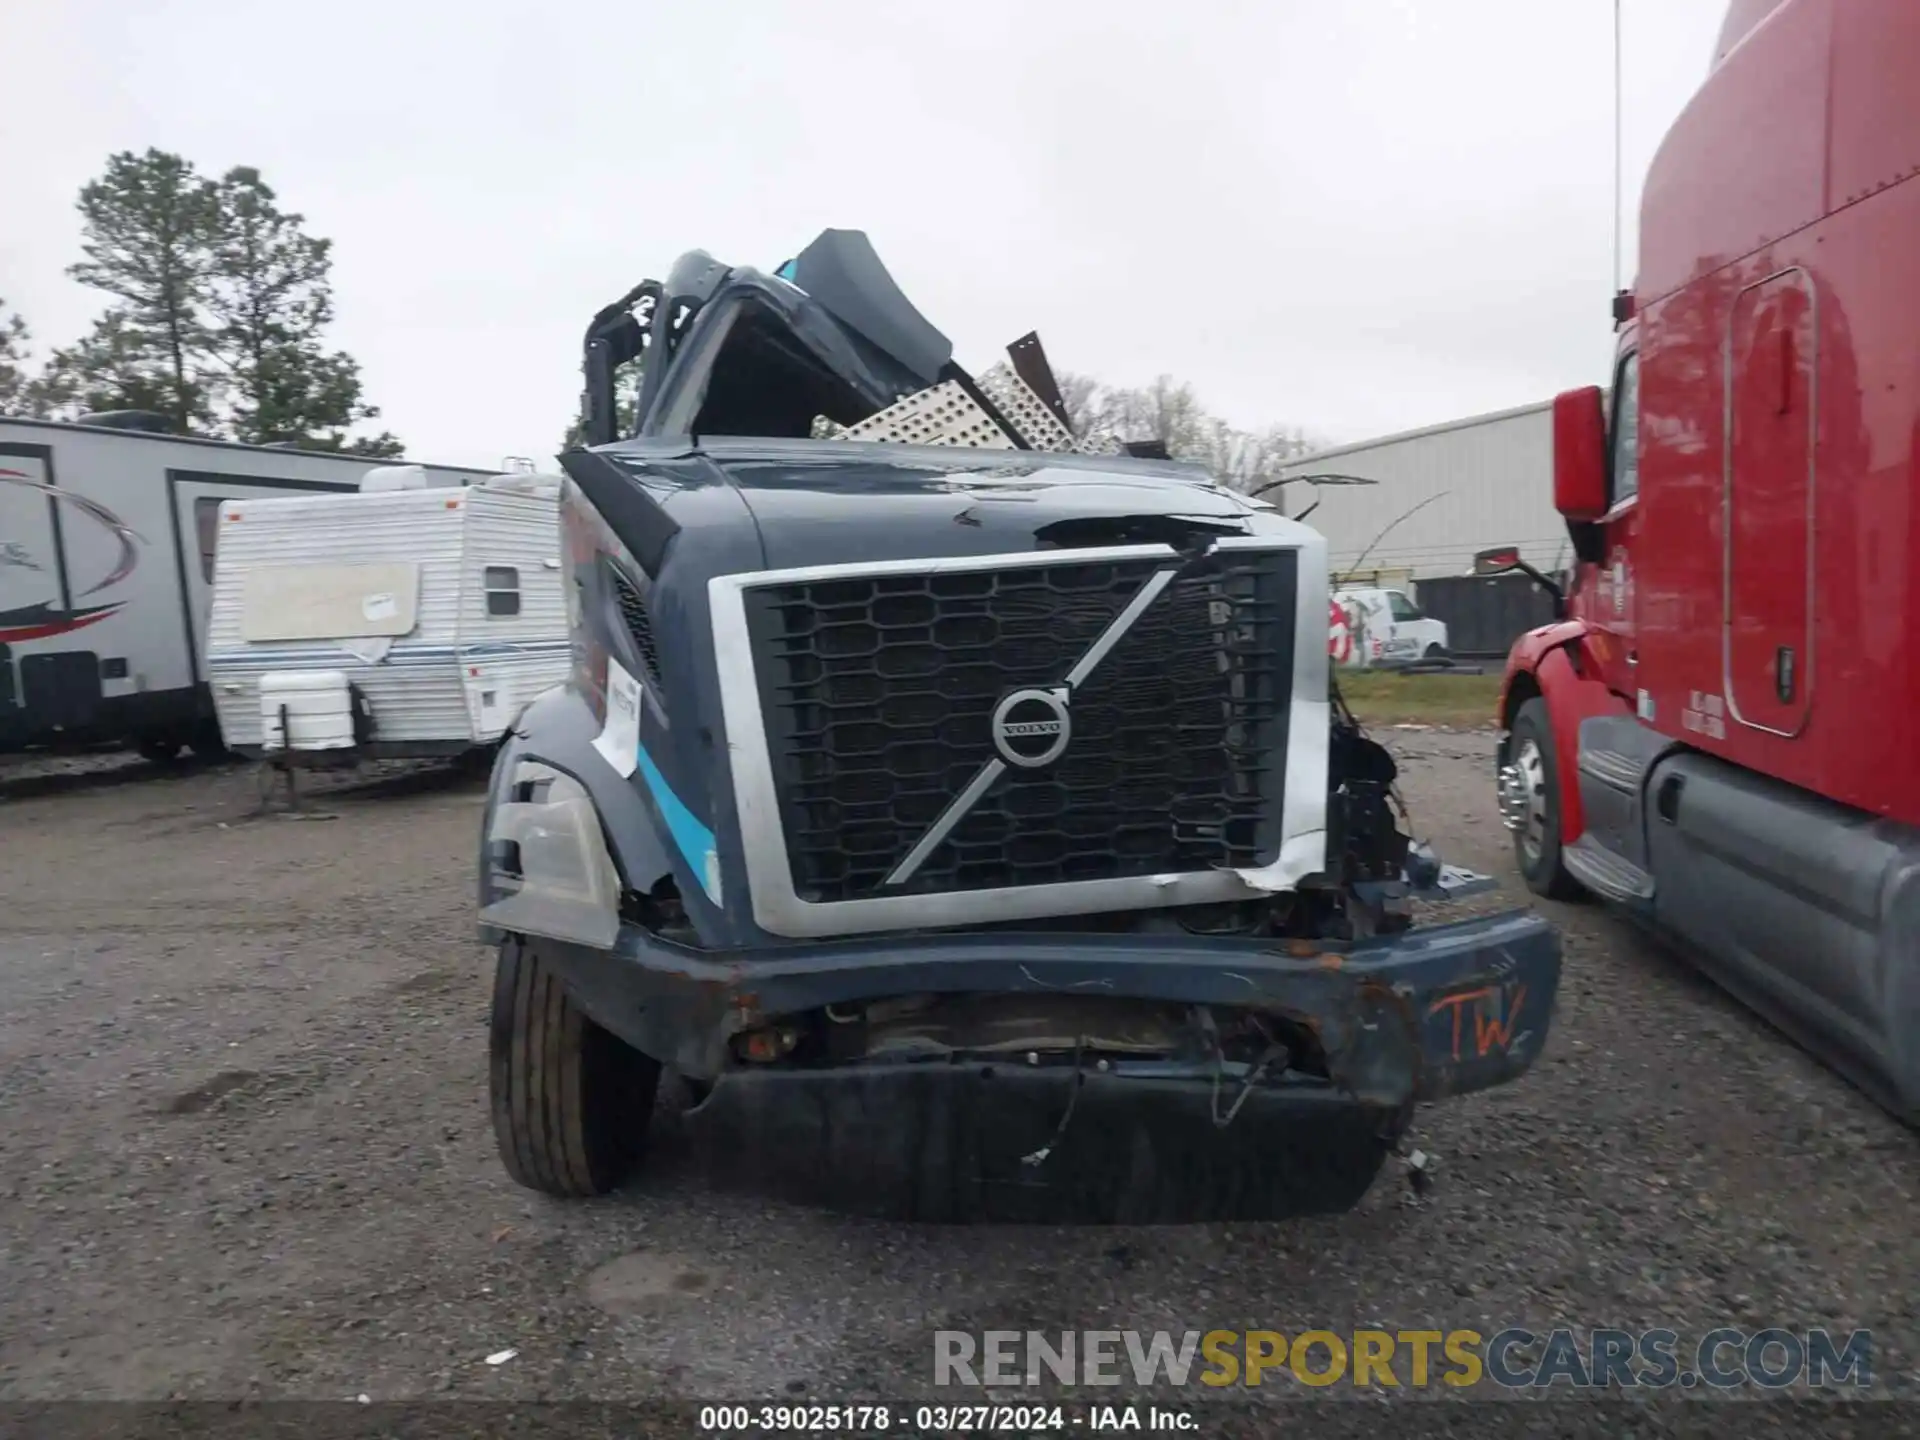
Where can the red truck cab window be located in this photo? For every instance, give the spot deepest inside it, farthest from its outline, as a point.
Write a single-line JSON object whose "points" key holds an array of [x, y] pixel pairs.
{"points": [[1624, 465]]}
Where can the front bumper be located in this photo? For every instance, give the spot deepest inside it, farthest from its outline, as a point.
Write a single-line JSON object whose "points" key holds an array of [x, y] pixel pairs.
{"points": [[1422, 1016], [1433, 1012]]}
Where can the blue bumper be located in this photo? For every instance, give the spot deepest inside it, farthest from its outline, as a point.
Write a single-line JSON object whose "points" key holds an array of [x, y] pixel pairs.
{"points": [[1431, 1013], [1426, 1015]]}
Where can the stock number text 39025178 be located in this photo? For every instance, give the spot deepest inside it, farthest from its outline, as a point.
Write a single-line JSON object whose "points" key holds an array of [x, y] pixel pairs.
{"points": [[801, 1419]]}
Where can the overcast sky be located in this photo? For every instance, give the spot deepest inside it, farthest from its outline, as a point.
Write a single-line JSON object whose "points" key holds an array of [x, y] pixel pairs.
{"points": [[1354, 216]]}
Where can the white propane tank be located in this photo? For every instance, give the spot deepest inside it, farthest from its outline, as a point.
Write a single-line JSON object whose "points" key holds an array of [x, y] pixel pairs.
{"points": [[394, 477], [319, 710]]}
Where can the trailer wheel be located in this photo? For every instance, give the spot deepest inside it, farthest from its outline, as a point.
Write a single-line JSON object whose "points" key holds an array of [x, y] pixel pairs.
{"points": [[206, 744], [571, 1102], [479, 760], [161, 750], [1530, 800]]}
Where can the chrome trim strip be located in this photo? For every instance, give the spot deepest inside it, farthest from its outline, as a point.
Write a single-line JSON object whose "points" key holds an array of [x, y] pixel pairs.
{"points": [[955, 812], [982, 782], [941, 565], [777, 910], [1119, 626], [1303, 820]]}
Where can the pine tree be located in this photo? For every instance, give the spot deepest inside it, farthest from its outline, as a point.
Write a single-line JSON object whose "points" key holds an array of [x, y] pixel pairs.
{"points": [[148, 227], [15, 343], [269, 298], [219, 303]]}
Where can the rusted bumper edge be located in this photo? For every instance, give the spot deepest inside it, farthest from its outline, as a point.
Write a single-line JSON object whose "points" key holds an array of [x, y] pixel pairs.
{"points": [[1430, 1013]]}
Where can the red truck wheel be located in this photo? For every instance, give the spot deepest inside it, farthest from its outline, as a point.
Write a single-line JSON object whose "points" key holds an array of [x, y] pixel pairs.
{"points": [[1530, 802]]}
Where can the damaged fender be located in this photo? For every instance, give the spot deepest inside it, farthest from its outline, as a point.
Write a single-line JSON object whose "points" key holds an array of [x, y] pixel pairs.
{"points": [[554, 797]]}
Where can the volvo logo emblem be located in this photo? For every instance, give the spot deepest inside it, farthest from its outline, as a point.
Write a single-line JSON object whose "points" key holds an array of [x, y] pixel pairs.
{"points": [[1031, 727]]}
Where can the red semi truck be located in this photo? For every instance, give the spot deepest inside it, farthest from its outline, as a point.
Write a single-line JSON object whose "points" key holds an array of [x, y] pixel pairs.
{"points": [[1721, 734]]}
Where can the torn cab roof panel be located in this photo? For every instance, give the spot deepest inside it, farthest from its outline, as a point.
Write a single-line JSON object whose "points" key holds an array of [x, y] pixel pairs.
{"points": [[828, 346]]}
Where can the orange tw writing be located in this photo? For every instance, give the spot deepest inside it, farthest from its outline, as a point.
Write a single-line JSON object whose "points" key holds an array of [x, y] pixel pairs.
{"points": [[1488, 1031]]}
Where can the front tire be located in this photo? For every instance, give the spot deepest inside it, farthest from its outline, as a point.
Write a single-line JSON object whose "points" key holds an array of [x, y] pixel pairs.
{"points": [[1530, 781], [571, 1102]]}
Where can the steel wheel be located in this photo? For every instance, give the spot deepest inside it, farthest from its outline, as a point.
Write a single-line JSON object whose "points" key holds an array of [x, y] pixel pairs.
{"points": [[1530, 803], [1529, 800]]}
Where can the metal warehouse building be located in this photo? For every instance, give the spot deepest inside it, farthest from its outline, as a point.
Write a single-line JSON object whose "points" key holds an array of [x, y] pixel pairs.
{"points": [[1442, 493]]}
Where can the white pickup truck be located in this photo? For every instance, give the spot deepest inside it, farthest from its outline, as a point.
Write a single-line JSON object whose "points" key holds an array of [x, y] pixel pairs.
{"points": [[1368, 627]]}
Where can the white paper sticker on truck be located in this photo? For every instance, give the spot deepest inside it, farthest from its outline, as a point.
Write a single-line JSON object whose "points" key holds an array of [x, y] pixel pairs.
{"points": [[619, 740]]}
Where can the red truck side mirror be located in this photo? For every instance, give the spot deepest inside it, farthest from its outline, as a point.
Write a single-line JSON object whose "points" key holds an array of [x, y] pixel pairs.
{"points": [[1497, 561], [1505, 559], [1580, 454]]}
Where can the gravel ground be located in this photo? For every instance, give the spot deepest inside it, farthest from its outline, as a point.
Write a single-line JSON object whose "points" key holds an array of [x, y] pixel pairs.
{"points": [[246, 1151]]}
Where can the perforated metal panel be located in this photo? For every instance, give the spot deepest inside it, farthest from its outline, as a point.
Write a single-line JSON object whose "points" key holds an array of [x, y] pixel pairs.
{"points": [[1038, 425], [942, 415], [947, 415]]}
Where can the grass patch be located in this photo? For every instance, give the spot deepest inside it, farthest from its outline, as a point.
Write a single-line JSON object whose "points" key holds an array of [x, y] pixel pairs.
{"points": [[1381, 697]]}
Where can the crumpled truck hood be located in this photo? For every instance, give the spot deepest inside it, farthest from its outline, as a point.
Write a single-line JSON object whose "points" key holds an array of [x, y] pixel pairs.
{"points": [[824, 502]]}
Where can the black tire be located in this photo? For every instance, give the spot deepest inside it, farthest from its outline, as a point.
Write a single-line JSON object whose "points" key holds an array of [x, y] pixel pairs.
{"points": [[479, 761], [571, 1102], [161, 750], [206, 744], [1434, 652], [1539, 858]]}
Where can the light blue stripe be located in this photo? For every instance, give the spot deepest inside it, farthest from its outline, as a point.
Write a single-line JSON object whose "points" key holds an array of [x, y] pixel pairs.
{"points": [[342, 661], [694, 839], [399, 655], [518, 647]]}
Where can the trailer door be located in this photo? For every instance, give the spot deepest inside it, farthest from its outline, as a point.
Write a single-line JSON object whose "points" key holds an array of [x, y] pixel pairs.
{"points": [[33, 603], [196, 497]]}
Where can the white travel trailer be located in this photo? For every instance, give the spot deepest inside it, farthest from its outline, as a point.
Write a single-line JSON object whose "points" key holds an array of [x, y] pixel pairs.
{"points": [[106, 566], [400, 621]]}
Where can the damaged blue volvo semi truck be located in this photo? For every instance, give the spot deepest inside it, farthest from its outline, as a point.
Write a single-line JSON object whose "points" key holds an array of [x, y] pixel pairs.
{"points": [[963, 812]]}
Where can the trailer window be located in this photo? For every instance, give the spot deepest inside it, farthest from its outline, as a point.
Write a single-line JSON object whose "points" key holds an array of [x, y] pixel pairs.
{"points": [[206, 525], [1626, 431], [503, 590]]}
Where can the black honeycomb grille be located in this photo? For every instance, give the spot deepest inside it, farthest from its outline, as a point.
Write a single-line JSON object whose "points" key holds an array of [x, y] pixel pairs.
{"points": [[879, 692], [638, 620]]}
